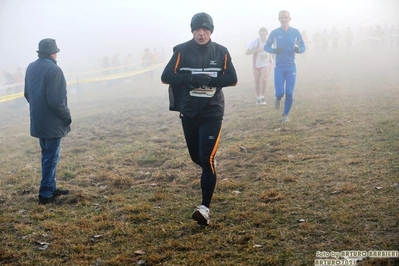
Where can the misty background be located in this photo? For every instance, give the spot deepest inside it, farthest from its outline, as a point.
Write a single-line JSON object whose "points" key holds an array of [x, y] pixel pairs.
{"points": [[88, 30]]}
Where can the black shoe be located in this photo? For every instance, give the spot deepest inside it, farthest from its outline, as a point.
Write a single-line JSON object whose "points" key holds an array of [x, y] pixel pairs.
{"points": [[59, 192], [52, 200]]}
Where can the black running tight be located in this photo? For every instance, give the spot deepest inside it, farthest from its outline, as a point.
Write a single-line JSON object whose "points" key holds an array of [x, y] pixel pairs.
{"points": [[202, 138]]}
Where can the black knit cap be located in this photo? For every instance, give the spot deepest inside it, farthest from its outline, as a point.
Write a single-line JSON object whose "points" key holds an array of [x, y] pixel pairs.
{"points": [[202, 20], [48, 46]]}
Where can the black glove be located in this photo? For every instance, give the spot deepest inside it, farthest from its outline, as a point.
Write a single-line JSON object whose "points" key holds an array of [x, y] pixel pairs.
{"points": [[277, 50], [212, 82], [296, 49], [198, 80]]}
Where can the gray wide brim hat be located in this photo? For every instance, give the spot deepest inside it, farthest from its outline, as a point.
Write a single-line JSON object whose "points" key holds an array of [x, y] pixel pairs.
{"points": [[48, 46]]}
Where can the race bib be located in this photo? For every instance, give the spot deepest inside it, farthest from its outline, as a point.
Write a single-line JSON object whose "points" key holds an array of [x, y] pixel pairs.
{"points": [[262, 59], [204, 91]]}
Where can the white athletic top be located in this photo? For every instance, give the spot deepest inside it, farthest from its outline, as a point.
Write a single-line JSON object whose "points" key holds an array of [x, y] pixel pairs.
{"points": [[262, 58]]}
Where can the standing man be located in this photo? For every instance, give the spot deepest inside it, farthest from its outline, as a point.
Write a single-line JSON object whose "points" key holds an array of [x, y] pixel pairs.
{"points": [[50, 119], [285, 42], [261, 64], [196, 73]]}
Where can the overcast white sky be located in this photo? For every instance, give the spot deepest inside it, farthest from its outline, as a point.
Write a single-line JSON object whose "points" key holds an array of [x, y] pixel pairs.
{"points": [[88, 30]]}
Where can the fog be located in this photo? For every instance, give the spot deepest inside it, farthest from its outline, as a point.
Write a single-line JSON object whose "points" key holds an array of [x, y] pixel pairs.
{"points": [[88, 30]]}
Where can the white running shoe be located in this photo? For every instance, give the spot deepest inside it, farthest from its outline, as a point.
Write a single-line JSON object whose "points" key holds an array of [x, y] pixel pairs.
{"points": [[285, 118], [277, 103], [201, 215], [262, 100]]}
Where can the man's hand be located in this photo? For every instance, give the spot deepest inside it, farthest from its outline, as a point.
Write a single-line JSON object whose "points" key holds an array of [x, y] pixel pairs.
{"points": [[277, 51], [198, 80], [296, 49]]}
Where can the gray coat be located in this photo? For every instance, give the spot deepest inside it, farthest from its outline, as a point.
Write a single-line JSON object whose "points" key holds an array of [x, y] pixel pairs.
{"points": [[45, 91]]}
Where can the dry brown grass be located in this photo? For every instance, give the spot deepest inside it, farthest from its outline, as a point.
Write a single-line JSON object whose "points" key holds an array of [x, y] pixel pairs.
{"points": [[326, 181]]}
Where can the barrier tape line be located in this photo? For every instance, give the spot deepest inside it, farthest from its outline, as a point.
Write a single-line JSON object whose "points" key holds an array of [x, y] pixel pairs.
{"points": [[11, 97]]}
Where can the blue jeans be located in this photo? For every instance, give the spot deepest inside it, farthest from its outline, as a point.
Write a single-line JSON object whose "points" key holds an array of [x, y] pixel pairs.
{"points": [[50, 158], [284, 83]]}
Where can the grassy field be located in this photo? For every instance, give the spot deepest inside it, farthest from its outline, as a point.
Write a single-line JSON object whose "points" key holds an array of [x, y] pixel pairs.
{"points": [[326, 181]]}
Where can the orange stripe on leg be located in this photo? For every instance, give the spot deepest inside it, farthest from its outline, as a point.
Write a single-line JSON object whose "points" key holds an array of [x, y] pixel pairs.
{"points": [[215, 148]]}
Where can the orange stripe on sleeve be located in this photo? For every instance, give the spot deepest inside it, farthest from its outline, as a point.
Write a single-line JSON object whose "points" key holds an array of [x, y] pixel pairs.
{"points": [[177, 63], [225, 64]]}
